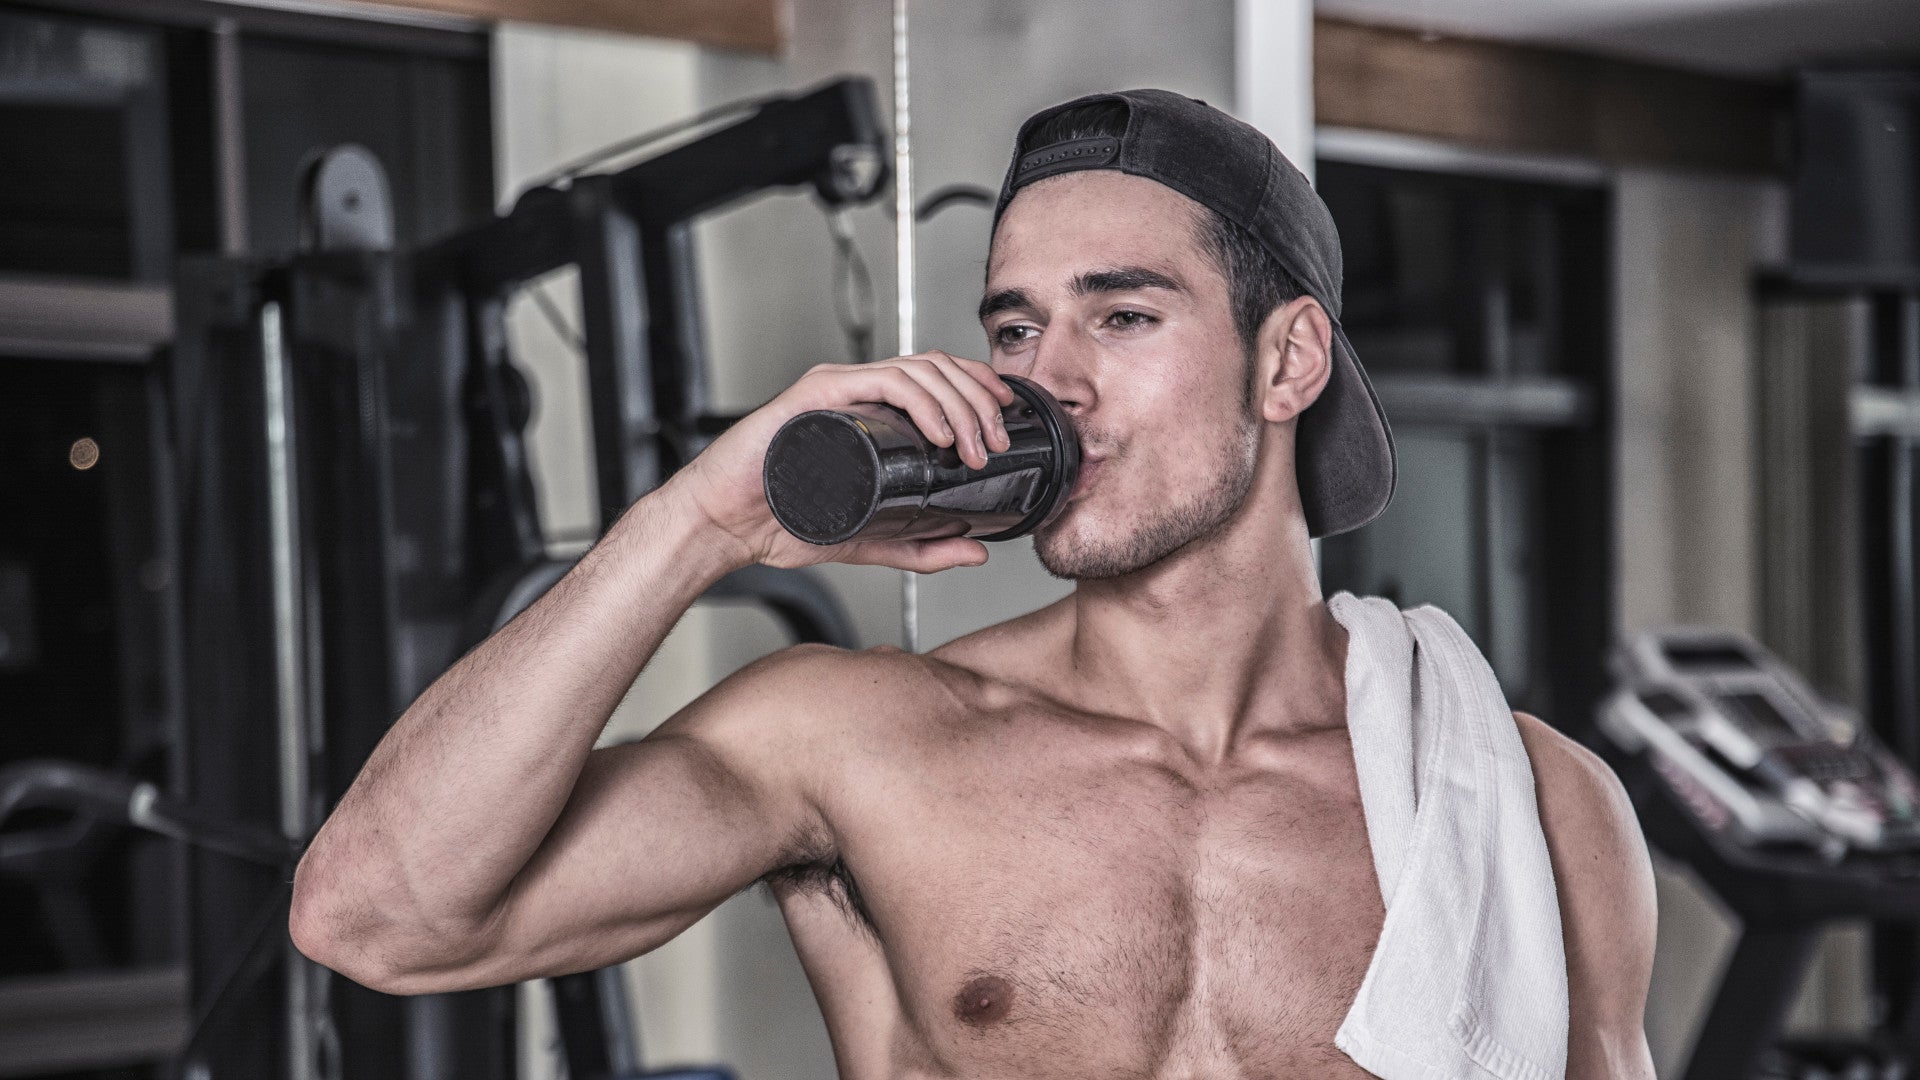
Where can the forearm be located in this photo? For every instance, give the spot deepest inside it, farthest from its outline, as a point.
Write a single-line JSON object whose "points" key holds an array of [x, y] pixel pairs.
{"points": [[460, 793]]}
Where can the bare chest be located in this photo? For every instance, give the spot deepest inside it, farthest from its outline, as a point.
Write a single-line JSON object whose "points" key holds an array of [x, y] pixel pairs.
{"points": [[1097, 914]]}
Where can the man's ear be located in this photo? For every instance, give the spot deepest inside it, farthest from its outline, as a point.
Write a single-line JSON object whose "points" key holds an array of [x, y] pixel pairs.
{"points": [[1293, 356]]}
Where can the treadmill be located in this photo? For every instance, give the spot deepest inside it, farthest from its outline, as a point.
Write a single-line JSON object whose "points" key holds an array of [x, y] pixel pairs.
{"points": [[1790, 811]]}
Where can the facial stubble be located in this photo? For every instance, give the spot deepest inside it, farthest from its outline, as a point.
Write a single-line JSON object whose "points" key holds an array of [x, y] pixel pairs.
{"points": [[1161, 530]]}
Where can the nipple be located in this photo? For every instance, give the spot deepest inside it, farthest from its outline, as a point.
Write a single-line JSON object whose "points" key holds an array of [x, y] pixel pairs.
{"points": [[983, 1000]]}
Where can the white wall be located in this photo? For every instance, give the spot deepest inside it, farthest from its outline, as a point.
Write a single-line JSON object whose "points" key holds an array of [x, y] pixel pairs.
{"points": [[1686, 248]]}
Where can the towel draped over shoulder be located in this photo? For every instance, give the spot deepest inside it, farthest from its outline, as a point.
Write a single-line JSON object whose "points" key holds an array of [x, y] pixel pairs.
{"points": [[1469, 979]]}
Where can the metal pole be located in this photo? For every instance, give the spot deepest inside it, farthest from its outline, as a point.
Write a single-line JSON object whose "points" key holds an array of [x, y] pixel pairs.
{"points": [[229, 138], [903, 269], [1906, 591], [288, 654]]}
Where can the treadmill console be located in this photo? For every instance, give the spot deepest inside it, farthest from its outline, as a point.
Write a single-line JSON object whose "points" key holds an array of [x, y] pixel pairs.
{"points": [[1751, 749]]}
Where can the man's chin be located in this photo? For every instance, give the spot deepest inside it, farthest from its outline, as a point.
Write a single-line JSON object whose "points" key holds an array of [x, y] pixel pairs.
{"points": [[1067, 552]]}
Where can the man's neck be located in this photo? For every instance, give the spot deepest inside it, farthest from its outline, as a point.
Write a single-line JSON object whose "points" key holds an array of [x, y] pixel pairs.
{"points": [[1227, 637]]}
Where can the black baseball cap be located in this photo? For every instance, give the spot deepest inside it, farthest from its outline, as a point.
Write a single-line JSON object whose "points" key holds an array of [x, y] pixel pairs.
{"points": [[1345, 450]]}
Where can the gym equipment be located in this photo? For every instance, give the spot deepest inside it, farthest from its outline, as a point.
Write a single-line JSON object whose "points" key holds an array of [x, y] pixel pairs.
{"points": [[865, 472], [355, 510], [1786, 766], [92, 795], [352, 413], [1787, 807]]}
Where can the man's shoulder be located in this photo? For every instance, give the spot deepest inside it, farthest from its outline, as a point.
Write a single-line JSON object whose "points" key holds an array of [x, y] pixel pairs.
{"points": [[1600, 858], [883, 692], [795, 712], [1605, 881], [1582, 803], [814, 673], [814, 685]]}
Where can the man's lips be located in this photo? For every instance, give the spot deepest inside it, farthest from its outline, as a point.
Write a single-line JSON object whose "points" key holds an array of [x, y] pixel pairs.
{"points": [[1088, 467]]}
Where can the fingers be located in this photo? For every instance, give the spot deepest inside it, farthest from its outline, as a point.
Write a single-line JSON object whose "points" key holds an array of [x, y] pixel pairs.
{"points": [[972, 394], [919, 556], [971, 431], [954, 401], [981, 395], [891, 384]]}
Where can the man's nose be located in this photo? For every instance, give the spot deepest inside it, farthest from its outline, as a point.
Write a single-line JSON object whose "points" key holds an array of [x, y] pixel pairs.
{"points": [[1064, 364]]}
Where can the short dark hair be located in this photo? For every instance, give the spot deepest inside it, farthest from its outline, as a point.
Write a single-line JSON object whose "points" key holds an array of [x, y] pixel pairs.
{"points": [[1256, 282]]}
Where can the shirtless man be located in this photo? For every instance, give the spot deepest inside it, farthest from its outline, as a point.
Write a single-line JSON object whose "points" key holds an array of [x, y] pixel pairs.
{"points": [[1120, 836]]}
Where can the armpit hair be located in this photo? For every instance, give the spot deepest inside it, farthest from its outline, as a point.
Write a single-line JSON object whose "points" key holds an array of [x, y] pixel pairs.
{"points": [[817, 866]]}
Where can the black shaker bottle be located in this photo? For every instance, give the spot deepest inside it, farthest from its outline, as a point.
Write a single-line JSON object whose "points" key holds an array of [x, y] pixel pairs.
{"points": [[864, 472]]}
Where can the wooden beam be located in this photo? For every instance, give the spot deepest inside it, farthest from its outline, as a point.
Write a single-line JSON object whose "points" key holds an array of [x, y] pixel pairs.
{"points": [[752, 25], [1529, 99]]}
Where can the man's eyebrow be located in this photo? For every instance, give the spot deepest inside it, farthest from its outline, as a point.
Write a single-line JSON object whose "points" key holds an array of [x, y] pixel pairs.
{"points": [[1004, 300], [1113, 279], [1124, 279]]}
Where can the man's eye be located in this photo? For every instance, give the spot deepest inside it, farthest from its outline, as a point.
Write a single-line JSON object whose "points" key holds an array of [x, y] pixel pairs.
{"points": [[1126, 320], [1011, 335]]}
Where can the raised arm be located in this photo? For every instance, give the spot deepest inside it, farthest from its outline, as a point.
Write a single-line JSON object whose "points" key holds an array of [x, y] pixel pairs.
{"points": [[1607, 912], [486, 841]]}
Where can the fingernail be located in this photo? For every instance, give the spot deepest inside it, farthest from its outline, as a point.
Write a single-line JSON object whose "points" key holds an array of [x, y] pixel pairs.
{"points": [[1000, 425], [946, 429]]}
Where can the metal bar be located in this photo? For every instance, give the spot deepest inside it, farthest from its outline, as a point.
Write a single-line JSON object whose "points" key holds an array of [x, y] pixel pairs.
{"points": [[1395, 151], [289, 623], [289, 633], [1472, 402], [91, 1020], [783, 142], [229, 137], [903, 265], [676, 342], [1879, 410], [614, 317], [1901, 545], [75, 319]]}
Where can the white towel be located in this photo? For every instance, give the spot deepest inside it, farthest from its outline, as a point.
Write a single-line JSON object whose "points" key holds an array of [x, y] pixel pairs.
{"points": [[1469, 979]]}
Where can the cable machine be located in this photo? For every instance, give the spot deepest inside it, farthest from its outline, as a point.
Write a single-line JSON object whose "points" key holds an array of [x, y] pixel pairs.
{"points": [[354, 510]]}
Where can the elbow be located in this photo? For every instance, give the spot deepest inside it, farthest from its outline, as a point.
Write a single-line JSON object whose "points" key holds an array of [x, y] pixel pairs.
{"points": [[362, 958], [346, 934], [310, 919], [325, 930], [321, 929]]}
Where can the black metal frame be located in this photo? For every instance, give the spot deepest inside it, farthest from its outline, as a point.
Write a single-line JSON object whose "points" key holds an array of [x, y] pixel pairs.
{"points": [[1565, 410], [416, 519], [630, 234], [1889, 480]]}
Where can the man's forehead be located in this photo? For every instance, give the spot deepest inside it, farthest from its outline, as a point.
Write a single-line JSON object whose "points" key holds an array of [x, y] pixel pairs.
{"points": [[1056, 230]]}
